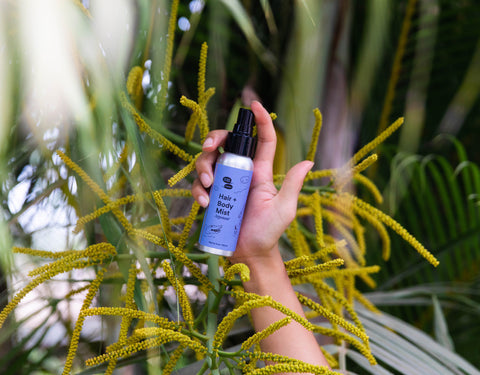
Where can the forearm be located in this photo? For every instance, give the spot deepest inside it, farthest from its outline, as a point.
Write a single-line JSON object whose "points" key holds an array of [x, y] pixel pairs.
{"points": [[269, 277]]}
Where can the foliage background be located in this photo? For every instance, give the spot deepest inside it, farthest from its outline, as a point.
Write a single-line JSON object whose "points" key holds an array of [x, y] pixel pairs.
{"points": [[340, 56]]}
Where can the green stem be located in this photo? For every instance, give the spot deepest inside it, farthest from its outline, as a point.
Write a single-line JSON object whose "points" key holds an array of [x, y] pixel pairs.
{"points": [[162, 255], [213, 301], [203, 368]]}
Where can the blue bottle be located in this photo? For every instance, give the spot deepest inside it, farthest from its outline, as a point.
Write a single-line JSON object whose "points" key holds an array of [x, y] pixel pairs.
{"points": [[229, 191]]}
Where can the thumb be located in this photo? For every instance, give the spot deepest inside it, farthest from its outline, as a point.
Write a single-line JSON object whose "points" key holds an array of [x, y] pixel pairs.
{"points": [[292, 185]]}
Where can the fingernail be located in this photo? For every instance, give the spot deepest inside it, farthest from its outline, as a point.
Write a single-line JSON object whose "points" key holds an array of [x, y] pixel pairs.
{"points": [[208, 142], [205, 179], [203, 201]]}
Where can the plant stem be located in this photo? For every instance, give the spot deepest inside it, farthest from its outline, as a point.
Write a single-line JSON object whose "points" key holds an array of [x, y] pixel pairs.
{"points": [[213, 300]]}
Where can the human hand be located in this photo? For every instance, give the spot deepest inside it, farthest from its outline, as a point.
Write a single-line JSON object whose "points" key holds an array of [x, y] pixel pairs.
{"points": [[268, 212]]}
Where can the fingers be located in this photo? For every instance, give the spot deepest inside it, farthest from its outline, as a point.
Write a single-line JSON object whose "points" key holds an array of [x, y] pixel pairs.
{"points": [[200, 194], [206, 160], [291, 187], [204, 165]]}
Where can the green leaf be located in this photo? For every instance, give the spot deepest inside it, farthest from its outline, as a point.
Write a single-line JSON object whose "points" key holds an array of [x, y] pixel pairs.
{"points": [[409, 350]]}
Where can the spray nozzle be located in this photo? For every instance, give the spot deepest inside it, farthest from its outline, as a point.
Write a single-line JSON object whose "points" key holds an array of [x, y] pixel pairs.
{"points": [[244, 123], [241, 141]]}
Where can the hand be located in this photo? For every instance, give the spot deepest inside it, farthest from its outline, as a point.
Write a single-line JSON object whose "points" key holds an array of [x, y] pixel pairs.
{"points": [[268, 212]]}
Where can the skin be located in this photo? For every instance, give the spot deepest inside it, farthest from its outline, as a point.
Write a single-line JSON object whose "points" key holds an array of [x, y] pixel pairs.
{"points": [[258, 249]]}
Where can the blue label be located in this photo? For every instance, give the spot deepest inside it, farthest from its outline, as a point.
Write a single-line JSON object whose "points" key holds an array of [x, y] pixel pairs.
{"points": [[224, 214]]}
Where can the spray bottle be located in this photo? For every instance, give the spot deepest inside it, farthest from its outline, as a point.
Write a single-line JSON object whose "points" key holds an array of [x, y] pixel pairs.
{"points": [[229, 191]]}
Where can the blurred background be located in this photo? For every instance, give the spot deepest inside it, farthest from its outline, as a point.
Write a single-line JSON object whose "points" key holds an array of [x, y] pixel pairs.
{"points": [[362, 63]]}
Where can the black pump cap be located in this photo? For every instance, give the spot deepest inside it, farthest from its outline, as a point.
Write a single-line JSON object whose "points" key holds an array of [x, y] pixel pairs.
{"points": [[241, 141]]}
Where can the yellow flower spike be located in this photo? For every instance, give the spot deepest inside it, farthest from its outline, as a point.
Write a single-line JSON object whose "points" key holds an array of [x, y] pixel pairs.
{"points": [[184, 172], [317, 214], [175, 221], [203, 123], [332, 361], [22, 293], [304, 211], [361, 347], [298, 262], [358, 271], [365, 302], [134, 85], [168, 56], [179, 255], [297, 239], [336, 217], [179, 287], [47, 272], [359, 231], [42, 253], [351, 271], [144, 127], [172, 361], [314, 175], [76, 291], [350, 283], [359, 168], [338, 320], [190, 128], [355, 249], [340, 204], [188, 225], [278, 178], [129, 304], [202, 69], [273, 116], [181, 193], [381, 230], [315, 269], [201, 113], [167, 336], [72, 350], [132, 314], [345, 174], [326, 290], [241, 269], [315, 134], [397, 63], [164, 217], [259, 336], [194, 269], [229, 320], [379, 139], [116, 166], [338, 280], [157, 240], [95, 188], [370, 186], [360, 205], [324, 252], [292, 368], [283, 364]]}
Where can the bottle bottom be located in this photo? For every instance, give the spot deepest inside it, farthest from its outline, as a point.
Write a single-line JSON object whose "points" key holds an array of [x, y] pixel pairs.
{"points": [[213, 250]]}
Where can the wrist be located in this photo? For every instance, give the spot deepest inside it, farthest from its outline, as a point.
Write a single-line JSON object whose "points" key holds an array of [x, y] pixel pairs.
{"points": [[267, 272]]}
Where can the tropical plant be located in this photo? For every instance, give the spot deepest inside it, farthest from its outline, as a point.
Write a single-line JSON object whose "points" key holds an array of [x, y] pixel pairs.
{"points": [[139, 233]]}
